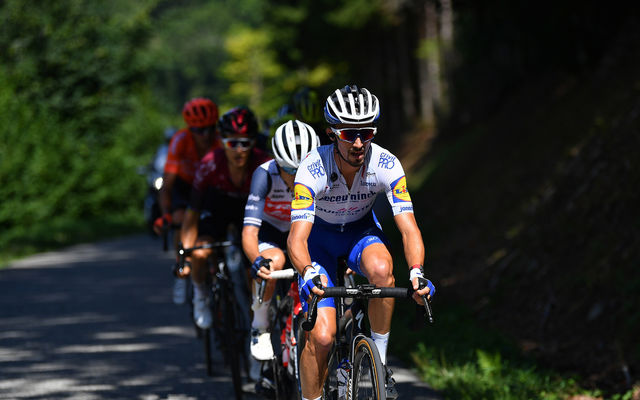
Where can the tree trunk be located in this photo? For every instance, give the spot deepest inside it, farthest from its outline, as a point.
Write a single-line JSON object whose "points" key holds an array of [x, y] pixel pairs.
{"points": [[429, 73]]}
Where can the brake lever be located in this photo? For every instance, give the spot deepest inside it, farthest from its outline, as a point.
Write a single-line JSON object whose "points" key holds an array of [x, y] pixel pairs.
{"points": [[422, 283], [263, 285], [310, 322]]}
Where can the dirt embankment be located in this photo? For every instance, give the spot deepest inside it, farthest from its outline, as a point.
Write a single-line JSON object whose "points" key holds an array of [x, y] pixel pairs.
{"points": [[533, 217]]}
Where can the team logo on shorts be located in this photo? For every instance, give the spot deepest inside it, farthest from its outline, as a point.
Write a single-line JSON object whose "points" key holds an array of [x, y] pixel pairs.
{"points": [[302, 198], [399, 190]]}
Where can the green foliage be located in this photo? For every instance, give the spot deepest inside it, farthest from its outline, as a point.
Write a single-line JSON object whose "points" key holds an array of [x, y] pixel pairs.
{"points": [[78, 121], [465, 360], [253, 71], [354, 14], [185, 50], [74, 57]]}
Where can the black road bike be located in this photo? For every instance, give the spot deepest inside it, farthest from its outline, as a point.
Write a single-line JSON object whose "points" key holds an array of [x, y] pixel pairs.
{"points": [[227, 327], [355, 368], [280, 375]]}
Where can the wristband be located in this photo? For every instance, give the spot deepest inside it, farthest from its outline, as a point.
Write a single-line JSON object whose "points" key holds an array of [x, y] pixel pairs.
{"points": [[305, 269], [255, 267], [308, 272], [415, 273]]}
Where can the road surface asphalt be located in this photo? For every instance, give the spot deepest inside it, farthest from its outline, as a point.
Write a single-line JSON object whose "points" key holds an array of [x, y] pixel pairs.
{"points": [[96, 321]]}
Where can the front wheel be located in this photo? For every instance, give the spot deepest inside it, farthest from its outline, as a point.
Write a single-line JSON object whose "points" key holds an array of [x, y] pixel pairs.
{"points": [[368, 372]]}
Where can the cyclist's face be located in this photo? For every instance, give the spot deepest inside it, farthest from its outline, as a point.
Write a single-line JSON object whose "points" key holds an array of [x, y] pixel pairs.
{"points": [[237, 149], [354, 152]]}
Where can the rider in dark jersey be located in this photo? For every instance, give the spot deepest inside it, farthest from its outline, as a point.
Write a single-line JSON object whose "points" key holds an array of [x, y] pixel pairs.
{"points": [[220, 190]]}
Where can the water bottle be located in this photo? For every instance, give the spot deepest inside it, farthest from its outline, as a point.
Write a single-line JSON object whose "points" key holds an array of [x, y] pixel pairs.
{"points": [[343, 379]]}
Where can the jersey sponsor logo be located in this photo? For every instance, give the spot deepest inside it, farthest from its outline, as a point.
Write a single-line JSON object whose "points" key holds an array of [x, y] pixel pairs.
{"points": [[305, 216], [403, 209], [399, 190], [348, 197], [253, 197], [280, 210], [342, 212], [302, 198], [386, 161], [316, 169]]}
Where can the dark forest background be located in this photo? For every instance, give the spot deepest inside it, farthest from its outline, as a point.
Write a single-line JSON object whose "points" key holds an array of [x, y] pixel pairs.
{"points": [[517, 123]]}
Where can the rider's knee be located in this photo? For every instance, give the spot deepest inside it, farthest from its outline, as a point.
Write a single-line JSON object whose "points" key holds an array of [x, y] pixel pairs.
{"points": [[381, 274], [277, 259], [201, 255], [322, 340]]}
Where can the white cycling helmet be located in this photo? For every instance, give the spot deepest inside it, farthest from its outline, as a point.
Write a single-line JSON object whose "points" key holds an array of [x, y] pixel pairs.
{"points": [[292, 142], [352, 105]]}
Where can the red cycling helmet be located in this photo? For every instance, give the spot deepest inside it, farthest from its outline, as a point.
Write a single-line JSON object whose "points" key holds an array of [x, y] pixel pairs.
{"points": [[200, 112], [239, 120]]}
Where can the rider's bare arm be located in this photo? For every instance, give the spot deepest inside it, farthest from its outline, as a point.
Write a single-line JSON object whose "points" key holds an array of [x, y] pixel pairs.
{"points": [[297, 245], [168, 180], [189, 232], [250, 241], [413, 246], [411, 238]]}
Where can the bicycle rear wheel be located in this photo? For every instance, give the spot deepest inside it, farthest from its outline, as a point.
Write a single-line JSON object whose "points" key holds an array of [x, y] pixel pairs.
{"points": [[368, 372], [231, 349], [207, 350]]}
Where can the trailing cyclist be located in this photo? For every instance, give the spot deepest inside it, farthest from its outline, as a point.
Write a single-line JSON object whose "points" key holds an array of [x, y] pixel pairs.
{"points": [[220, 190], [186, 149], [305, 106], [331, 214], [267, 219]]}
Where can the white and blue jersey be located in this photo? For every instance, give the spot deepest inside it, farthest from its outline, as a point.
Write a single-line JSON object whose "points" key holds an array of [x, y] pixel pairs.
{"points": [[269, 201], [342, 217]]}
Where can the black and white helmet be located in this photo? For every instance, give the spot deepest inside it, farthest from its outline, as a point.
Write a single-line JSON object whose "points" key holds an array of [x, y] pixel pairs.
{"points": [[292, 142], [352, 105]]}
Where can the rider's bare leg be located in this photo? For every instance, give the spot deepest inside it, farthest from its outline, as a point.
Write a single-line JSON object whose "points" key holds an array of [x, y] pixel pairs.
{"points": [[377, 266], [313, 361]]}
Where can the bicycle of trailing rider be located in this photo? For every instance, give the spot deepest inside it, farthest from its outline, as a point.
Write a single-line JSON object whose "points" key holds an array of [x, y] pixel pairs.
{"points": [[355, 368], [280, 375], [227, 325], [286, 317]]}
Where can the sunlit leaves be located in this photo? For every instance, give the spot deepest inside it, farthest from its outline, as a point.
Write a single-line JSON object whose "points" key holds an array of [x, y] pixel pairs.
{"points": [[252, 70]]}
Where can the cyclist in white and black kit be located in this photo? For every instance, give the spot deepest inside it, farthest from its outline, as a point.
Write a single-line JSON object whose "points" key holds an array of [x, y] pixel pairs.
{"points": [[267, 219], [331, 214]]}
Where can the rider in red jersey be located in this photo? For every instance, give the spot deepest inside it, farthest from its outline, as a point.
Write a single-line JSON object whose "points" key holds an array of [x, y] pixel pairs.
{"points": [[186, 149]]}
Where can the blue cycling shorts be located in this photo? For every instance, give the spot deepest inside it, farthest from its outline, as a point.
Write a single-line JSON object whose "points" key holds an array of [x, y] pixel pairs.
{"points": [[327, 242]]}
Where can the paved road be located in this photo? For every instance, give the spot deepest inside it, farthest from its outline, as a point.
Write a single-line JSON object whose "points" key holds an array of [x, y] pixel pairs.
{"points": [[96, 321]]}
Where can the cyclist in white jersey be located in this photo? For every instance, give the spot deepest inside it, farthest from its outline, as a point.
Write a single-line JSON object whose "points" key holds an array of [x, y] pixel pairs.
{"points": [[267, 219], [331, 215]]}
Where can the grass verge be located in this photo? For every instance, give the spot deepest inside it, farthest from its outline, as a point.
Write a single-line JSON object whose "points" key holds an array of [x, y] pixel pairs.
{"points": [[464, 360]]}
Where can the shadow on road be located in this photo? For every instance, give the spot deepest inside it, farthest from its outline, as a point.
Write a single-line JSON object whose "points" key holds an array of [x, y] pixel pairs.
{"points": [[96, 322]]}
